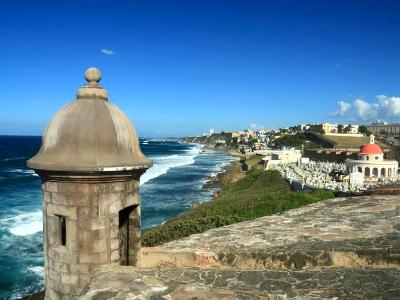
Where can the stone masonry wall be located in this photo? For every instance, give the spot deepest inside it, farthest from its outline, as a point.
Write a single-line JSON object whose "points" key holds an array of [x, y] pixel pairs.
{"points": [[343, 248], [91, 211]]}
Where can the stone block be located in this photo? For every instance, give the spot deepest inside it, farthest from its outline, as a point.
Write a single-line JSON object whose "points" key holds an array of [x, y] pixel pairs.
{"points": [[84, 279], [115, 204], [76, 291], [93, 200], [69, 279], [132, 186], [92, 258], [50, 186], [60, 267], [60, 287], [78, 188], [88, 212], [103, 188], [113, 232], [114, 244], [53, 295], [79, 269], [100, 245], [46, 196], [131, 198], [60, 199], [118, 186], [70, 212], [97, 224], [81, 200], [104, 257], [115, 256], [86, 236], [72, 229], [53, 275]]}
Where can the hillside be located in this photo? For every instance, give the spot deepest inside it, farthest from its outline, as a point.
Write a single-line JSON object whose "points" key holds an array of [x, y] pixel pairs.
{"points": [[259, 193]]}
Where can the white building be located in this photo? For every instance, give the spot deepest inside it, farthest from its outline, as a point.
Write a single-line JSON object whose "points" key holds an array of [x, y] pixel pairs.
{"points": [[372, 165], [278, 157]]}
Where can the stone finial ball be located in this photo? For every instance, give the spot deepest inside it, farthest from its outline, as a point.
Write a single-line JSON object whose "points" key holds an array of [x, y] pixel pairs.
{"points": [[93, 75]]}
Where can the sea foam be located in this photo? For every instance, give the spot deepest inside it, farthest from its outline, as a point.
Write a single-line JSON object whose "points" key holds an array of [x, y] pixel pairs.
{"points": [[24, 224], [162, 164], [24, 171], [38, 270]]}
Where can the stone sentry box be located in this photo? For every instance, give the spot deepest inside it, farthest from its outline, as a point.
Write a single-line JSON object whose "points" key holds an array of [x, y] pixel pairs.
{"points": [[90, 164]]}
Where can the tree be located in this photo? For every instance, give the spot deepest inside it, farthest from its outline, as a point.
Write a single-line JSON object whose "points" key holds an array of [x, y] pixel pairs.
{"points": [[364, 130], [347, 129], [290, 140], [340, 128]]}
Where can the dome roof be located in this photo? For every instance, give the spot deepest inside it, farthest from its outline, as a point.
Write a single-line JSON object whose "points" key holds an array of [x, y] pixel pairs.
{"points": [[90, 134], [370, 149]]}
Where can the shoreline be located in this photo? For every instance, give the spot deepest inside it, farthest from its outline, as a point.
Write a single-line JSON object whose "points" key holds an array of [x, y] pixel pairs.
{"points": [[230, 172]]}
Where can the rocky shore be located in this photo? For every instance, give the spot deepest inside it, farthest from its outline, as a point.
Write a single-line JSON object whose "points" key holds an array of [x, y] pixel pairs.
{"points": [[229, 173]]}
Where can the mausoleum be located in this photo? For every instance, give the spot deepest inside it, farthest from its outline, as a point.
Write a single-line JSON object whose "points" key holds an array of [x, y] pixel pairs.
{"points": [[372, 165]]}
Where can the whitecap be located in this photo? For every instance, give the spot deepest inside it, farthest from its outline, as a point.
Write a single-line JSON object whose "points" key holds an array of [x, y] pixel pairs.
{"points": [[38, 270], [24, 224], [15, 158], [162, 164], [24, 171]]}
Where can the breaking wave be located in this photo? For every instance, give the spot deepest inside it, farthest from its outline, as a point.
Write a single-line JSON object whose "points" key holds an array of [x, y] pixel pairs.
{"points": [[162, 164], [24, 171], [24, 224]]}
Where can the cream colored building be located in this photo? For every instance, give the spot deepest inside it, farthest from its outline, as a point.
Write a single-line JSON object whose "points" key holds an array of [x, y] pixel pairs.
{"points": [[326, 127], [284, 156], [330, 128], [372, 165]]}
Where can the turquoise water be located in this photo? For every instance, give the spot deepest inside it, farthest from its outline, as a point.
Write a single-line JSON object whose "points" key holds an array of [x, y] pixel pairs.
{"points": [[167, 190]]}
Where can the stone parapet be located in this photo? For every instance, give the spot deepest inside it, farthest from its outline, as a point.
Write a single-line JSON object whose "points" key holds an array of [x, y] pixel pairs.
{"points": [[213, 284], [344, 232]]}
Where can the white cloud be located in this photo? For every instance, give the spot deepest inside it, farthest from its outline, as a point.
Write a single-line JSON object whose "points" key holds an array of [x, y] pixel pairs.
{"points": [[364, 110], [107, 51], [387, 108], [344, 107], [390, 106]]}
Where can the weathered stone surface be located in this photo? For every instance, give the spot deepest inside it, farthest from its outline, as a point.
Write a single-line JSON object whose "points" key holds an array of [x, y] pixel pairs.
{"points": [[354, 232], [171, 283]]}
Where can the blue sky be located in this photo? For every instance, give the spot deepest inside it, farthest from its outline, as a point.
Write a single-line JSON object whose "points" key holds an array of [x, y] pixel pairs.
{"points": [[183, 67]]}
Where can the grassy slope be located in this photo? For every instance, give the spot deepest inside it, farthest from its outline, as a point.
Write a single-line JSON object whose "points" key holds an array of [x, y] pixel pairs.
{"points": [[257, 194], [348, 141]]}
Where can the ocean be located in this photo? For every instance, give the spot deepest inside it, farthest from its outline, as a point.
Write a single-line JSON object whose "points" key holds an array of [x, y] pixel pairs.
{"points": [[167, 190]]}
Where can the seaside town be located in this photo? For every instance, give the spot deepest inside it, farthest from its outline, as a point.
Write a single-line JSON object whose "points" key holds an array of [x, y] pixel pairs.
{"points": [[345, 158], [200, 150]]}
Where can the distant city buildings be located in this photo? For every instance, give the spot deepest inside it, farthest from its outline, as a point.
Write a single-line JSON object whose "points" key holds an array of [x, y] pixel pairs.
{"points": [[368, 169], [383, 127], [329, 128]]}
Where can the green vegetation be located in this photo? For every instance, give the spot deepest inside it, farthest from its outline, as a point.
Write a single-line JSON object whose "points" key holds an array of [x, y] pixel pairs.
{"points": [[347, 141], [294, 140], [259, 193], [364, 130]]}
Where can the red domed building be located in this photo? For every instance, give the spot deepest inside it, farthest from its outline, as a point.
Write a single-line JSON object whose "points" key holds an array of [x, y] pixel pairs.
{"points": [[372, 165]]}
